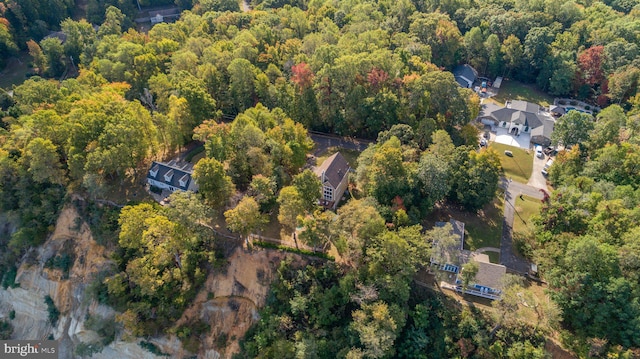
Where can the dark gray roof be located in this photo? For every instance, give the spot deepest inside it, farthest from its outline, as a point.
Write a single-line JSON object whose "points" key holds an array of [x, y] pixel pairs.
{"points": [[465, 71], [529, 119], [545, 130], [335, 168], [525, 106], [489, 274], [462, 82], [175, 172], [557, 109]]}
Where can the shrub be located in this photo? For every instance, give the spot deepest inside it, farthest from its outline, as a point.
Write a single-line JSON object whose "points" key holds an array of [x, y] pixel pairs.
{"points": [[152, 348], [294, 250], [9, 278], [6, 329], [105, 327], [54, 313], [12, 315], [88, 349]]}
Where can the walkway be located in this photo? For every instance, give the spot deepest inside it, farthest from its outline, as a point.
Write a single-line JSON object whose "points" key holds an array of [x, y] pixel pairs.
{"points": [[507, 256]]}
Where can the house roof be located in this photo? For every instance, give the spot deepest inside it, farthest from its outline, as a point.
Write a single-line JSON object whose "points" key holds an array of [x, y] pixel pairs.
{"points": [[518, 115], [557, 109], [525, 106], [489, 274], [465, 71], [333, 170], [545, 130], [175, 171]]}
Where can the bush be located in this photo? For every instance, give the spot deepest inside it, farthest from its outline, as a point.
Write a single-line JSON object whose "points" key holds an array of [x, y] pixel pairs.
{"points": [[294, 250], [152, 348], [54, 313], [9, 278], [6, 329], [105, 327], [88, 349], [63, 261], [191, 334], [12, 315], [155, 189]]}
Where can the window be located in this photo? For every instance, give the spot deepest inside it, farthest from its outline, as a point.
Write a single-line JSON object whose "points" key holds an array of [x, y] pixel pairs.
{"points": [[328, 193]]}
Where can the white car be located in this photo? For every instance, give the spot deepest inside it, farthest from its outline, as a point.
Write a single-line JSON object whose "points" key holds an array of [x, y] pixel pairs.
{"points": [[539, 153]]}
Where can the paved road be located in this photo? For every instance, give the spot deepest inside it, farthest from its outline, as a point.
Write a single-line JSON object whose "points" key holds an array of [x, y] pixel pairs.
{"points": [[324, 141], [507, 255], [537, 180]]}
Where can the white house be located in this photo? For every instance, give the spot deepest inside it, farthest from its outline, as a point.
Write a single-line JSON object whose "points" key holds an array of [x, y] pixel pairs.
{"points": [[334, 176], [172, 176], [523, 117]]}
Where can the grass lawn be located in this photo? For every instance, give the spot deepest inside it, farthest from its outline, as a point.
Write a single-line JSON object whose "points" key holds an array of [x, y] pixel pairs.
{"points": [[482, 229], [525, 208], [518, 167], [15, 71], [350, 155], [514, 90]]}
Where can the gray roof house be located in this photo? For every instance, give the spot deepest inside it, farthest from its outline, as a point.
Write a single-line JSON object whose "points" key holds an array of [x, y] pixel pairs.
{"points": [[334, 176], [488, 280], [172, 176], [465, 75], [524, 117]]}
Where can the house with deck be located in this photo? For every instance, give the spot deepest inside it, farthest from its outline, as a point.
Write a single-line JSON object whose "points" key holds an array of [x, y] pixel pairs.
{"points": [[449, 262], [172, 176], [334, 176]]}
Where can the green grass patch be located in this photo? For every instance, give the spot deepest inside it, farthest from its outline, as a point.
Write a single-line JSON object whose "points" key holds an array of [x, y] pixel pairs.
{"points": [[293, 250], [525, 208], [483, 229], [350, 155], [494, 257], [514, 90], [518, 167]]}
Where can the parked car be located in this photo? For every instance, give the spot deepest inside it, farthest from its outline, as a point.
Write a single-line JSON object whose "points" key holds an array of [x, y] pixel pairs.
{"points": [[483, 142], [486, 135], [545, 170], [539, 153]]}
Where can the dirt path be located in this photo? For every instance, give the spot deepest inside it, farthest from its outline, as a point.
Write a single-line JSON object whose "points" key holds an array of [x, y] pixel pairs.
{"points": [[245, 6]]}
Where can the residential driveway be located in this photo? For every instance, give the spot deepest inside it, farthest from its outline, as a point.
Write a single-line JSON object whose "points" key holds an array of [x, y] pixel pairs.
{"points": [[507, 255], [503, 136], [537, 180]]}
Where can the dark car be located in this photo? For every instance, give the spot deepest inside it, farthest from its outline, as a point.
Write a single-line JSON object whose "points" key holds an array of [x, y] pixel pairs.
{"points": [[486, 135]]}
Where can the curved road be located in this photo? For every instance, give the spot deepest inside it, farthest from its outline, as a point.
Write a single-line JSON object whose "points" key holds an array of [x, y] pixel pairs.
{"points": [[324, 141]]}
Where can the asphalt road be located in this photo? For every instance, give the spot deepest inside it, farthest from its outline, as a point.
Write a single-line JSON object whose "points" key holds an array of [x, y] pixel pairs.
{"points": [[324, 141], [507, 254]]}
